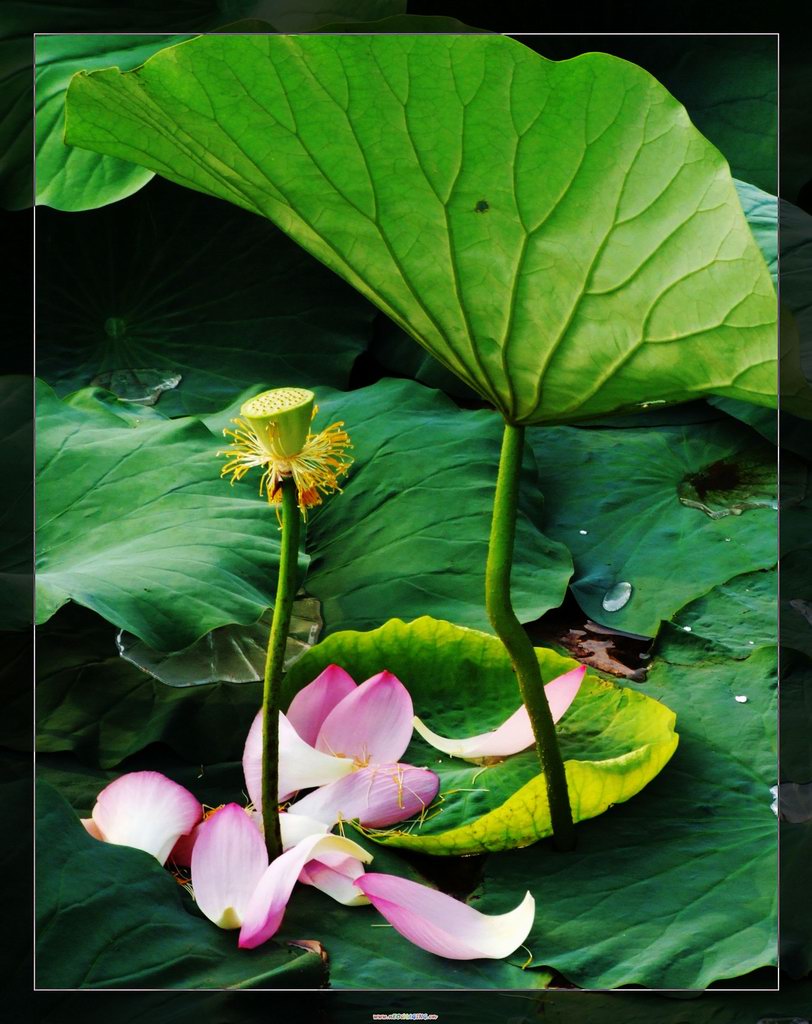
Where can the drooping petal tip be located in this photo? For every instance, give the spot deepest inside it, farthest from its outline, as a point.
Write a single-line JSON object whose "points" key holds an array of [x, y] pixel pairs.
{"points": [[443, 925]]}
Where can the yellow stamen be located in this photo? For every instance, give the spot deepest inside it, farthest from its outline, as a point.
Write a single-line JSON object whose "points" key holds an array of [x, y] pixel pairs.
{"points": [[315, 469]]}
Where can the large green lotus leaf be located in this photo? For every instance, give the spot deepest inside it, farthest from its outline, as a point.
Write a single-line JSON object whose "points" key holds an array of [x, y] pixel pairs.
{"points": [[738, 615], [409, 536], [613, 741], [359, 948], [112, 917], [93, 702], [677, 888], [135, 524], [558, 234], [394, 351], [200, 290], [672, 511]]}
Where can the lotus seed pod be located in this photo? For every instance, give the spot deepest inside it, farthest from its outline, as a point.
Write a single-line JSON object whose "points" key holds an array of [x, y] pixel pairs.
{"points": [[281, 418]]}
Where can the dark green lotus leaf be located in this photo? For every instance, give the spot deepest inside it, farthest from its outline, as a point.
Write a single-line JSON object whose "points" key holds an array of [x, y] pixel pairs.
{"points": [[672, 511], [92, 27], [409, 536], [74, 181], [557, 234], [112, 917], [737, 616], [730, 87], [796, 599], [796, 714], [193, 289], [677, 888], [69, 178], [613, 741], [16, 539], [796, 901], [135, 524], [104, 709], [359, 946], [761, 210]]}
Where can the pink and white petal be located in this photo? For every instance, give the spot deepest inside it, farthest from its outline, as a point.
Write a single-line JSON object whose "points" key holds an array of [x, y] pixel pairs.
{"points": [[228, 860], [296, 827], [300, 765], [377, 796], [270, 898], [562, 691], [443, 925], [513, 735], [313, 704], [373, 724], [252, 761], [146, 810], [336, 878], [92, 828]]}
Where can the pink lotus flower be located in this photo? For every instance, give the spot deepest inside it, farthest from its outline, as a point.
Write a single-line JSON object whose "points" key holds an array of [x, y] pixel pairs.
{"points": [[516, 733], [346, 739]]}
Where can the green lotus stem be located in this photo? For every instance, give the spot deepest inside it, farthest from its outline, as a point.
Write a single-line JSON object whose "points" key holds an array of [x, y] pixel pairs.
{"points": [[274, 665], [516, 641]]}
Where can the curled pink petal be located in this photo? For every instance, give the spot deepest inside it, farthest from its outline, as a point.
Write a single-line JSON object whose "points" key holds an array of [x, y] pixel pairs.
{"points": [[443, 925], [335, 875], [145, 810], [313, 704], [516, 733], [300, 765], [377, 796], [372, 725], [228, 860], [270, 898]]}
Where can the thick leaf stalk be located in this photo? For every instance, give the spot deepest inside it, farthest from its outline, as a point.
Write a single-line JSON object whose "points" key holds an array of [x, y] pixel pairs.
{"points": [[274, 665], [512, 634]]}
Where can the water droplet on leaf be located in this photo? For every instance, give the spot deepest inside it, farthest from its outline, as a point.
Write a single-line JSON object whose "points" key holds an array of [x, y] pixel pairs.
{"points": [[617, 597]]}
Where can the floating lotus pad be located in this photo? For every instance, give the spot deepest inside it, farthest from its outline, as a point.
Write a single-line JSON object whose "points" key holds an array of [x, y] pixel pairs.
{"points": [[613, 740]]}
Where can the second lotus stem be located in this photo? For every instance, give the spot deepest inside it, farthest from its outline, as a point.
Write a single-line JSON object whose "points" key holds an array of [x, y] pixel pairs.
{"points": [[512, 634], [274, 665]]}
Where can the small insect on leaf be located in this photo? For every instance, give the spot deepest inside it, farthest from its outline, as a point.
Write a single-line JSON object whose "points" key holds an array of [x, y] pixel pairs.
{"points": [[482, 206]]}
